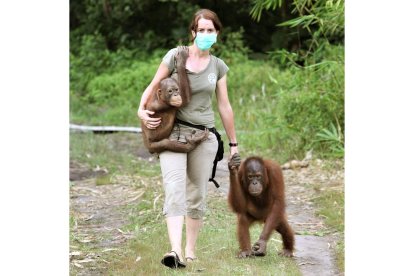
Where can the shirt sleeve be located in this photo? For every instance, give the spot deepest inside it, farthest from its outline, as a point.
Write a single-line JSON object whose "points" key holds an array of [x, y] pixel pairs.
{"points": [[222, 68], [168, 59]]}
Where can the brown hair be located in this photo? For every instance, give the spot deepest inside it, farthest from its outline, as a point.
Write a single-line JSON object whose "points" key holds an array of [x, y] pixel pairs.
{"points": [[206, 14]]}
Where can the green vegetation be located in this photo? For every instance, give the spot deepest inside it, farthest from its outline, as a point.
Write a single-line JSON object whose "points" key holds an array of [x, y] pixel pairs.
{"points": [[285, 105], [285, 84], [216, 241], [116, 153], [330, 206], [279, 112], [216, 245], [101, 151]]}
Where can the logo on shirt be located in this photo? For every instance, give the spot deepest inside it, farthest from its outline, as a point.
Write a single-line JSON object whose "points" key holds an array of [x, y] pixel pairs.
{"points": [[212, 78]]}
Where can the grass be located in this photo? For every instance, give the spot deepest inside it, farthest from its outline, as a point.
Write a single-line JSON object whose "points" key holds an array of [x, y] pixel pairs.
{"points": [[111, 153], [278, 114], [331, 207], [217, 244], [217, 241], [217, 248]]}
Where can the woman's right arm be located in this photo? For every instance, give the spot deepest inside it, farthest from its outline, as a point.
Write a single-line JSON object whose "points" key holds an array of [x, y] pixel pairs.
{"points": [[142, 112]]}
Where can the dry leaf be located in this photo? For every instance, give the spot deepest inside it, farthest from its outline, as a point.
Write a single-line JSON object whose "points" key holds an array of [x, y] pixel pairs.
{"points": [[77, 265], [306, 263], [135, 198], [122, 232], [109, 249], [85, 241], [89, 218], [75, 253], [155, 201], [85, 261]]}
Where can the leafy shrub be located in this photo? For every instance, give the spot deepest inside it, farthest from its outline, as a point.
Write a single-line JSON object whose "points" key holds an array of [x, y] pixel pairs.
{"points": [[333, 139], [113, 98], [93, 59], [277, 112], [231, 47]]}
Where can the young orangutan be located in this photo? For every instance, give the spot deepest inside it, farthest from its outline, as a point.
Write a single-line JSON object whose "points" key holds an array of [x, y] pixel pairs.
{"points": [[257, 194], [164, 102]]}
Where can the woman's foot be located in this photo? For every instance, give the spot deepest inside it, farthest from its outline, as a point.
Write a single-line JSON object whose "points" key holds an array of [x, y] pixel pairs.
{"points": [[172, 260], [190, 259], [190, 255]]}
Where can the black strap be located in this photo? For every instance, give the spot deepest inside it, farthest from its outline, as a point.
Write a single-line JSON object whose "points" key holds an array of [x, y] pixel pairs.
{"points": [[214, 181], [200, 127], [219, 156], [213, 174]]}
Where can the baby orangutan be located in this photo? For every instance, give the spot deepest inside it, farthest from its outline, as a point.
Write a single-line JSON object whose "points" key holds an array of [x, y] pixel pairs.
{"points": [[164, 102]]}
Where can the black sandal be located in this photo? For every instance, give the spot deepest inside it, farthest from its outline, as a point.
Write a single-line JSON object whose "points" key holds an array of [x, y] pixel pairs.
{"points": [[172, 260]]}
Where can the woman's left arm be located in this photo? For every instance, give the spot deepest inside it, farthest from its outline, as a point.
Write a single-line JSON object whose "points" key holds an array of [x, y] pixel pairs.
{"points": [[226, 112]]}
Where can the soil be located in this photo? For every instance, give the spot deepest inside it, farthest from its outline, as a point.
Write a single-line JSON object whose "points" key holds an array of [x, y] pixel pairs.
{"points": [[98, 215]]}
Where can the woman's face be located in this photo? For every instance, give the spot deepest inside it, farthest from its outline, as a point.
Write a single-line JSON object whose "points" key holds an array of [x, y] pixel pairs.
{"points": [[205, 26]]}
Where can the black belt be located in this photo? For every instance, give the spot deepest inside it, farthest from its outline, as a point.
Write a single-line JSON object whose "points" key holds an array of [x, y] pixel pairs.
{"points": [[200, 127]]}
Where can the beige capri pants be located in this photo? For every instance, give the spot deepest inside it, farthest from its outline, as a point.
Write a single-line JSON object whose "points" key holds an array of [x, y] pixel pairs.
{"points": [[186, 175]]}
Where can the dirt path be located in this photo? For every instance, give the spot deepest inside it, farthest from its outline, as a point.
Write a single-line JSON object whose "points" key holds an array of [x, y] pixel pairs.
{"points": [[97, 216], [314, 254]]}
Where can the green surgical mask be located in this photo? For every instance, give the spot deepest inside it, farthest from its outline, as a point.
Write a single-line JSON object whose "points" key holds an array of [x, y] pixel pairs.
{"points": [[205, 41]]}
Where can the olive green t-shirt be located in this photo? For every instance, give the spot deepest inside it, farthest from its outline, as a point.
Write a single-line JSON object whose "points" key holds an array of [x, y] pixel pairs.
{"points": [[199, 110]]}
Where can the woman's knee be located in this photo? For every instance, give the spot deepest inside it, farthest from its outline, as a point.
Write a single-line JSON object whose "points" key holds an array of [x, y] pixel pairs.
{"points": [[196, 213]]}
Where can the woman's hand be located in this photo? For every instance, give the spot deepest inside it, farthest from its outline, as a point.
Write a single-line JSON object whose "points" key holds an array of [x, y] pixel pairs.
{"points": [[149, 122], [233, 150]]}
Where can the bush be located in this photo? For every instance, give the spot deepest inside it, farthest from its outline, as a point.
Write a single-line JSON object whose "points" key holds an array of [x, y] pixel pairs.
{"points": [[93, 59], [231, 47], [113, 98], [278, 112]]}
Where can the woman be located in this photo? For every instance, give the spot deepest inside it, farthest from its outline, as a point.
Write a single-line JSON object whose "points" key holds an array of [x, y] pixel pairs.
{"points": [[185, 198]]}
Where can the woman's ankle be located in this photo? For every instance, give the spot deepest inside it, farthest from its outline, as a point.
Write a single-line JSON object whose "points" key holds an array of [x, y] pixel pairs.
{"points": [[179, 253], [190, 253]]}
